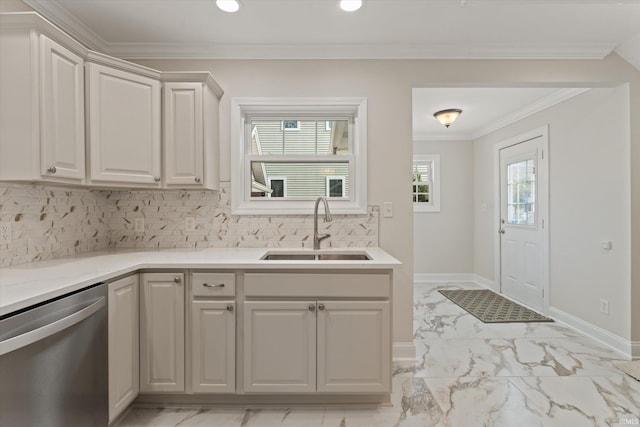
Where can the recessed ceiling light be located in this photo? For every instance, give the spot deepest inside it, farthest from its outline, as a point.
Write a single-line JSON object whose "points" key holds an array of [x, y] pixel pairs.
{"points": [[350, 5], [228, 5]]}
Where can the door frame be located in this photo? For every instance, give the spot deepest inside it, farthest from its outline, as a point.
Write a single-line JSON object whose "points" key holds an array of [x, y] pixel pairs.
{"points": [[543, 208]]}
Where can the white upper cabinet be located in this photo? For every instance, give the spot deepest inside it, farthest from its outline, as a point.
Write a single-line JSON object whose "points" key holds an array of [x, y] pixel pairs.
{"points": [[190, 125], [124, 126], [42, 103]]}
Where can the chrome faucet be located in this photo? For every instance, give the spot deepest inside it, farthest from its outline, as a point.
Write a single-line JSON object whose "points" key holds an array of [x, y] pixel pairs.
{"points": [[317, 238]]}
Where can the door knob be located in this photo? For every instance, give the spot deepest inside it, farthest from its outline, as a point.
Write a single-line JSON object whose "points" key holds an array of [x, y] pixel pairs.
{"points": [[501, 231]]}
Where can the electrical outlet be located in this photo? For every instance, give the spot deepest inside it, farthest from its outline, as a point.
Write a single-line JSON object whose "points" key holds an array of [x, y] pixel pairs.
{"points": [[5, 232], [138, 225], [604, 306], [189, 224]]}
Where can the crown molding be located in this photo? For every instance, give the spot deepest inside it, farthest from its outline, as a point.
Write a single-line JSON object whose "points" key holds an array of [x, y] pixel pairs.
{"points": [[533, 108], [59, 16], [595, 51]]}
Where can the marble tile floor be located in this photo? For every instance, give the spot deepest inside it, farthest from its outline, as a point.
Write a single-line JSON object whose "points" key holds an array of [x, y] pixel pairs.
{"points": [[468, 374]]}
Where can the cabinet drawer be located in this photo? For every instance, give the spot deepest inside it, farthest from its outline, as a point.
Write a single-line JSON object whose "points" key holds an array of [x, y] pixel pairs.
{"points": [[213, 285], [321, 285]]}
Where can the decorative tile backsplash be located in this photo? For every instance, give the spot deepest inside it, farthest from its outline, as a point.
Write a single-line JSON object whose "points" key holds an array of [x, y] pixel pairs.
{"points": [[51, 222]]}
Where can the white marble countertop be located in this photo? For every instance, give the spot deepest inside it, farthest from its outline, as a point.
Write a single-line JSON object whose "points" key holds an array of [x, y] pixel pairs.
{"points": [[28, 284]]}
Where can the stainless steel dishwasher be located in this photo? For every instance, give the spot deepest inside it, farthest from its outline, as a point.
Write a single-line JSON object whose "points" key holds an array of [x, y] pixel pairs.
{"points": [[54, 362]]}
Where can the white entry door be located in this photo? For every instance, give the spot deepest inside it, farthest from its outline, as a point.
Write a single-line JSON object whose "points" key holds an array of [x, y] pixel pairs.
{"points": [[523, 206]]}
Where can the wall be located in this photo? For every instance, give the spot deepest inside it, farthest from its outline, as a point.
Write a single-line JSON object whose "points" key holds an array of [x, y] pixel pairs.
{"points": [[589, 203], [443, 241], [388, 86]]}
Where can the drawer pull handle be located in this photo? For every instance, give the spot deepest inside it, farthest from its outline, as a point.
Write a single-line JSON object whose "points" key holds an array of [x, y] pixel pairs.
{"points": [[219, 285], [177, 279], [229, 307]]}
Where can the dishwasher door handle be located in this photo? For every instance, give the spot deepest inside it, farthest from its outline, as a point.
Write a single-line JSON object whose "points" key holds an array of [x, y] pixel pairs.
{"points": [[43, 332]]}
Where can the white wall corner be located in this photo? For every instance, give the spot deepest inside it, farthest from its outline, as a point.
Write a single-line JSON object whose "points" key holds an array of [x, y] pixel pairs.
{"points": [[404, 351], [442, 277], [485, 283], [618, 344]]}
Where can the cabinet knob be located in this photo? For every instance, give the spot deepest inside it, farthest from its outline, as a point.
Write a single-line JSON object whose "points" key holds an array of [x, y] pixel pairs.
{"points": [[230, 307], [197, 179], [312, 307], [320, 306], [177, 279], [51, 169], [156, 178]]}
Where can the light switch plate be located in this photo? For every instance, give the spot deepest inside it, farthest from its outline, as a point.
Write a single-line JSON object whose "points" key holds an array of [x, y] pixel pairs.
{"points": [[387, 209]]}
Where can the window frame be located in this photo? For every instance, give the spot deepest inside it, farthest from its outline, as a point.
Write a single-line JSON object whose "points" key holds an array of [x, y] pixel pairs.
{"points": [[243, 109], [434, 188]]}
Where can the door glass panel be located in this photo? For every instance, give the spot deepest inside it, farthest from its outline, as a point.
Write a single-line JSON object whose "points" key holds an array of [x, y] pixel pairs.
{"points": [[521, 193]]}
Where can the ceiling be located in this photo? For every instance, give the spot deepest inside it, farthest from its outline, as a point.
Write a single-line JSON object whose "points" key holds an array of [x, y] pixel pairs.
{"points": [[303, 29], [484, 110]]}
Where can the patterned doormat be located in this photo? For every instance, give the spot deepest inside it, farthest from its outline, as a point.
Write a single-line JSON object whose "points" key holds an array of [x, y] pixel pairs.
{"points": [[490, 307]]}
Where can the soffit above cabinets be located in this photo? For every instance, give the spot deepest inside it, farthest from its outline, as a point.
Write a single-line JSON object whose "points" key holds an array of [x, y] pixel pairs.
{"points": [[308, 29]]}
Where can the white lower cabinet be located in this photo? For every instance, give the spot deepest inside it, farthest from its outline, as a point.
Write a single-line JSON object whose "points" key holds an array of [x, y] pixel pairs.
{"points": [[317, 346], [123, 344], [213, 338], [280, 346], [162, 333], [354, 348]]}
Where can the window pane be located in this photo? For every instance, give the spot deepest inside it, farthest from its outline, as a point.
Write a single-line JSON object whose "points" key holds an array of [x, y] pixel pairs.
{"points": [[277, 187], [300, 137], [422, 171], [521, 192], [335, 187], [305, 180]]}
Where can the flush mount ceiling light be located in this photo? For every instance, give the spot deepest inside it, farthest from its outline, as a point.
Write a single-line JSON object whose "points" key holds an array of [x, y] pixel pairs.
{"points": [[350, 5], [447, 117], [228, 5]]}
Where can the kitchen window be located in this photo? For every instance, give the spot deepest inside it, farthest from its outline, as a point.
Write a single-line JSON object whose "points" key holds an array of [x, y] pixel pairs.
{"points": [[426, 183], [286, 152]]}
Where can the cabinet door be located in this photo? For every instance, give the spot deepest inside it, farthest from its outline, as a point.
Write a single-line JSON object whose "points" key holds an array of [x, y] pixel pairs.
{"points": [[162, 332], [123, 344], [62, 109], [124, 126], [279, 346], [183, 134], [213, 337], [354, 347]]}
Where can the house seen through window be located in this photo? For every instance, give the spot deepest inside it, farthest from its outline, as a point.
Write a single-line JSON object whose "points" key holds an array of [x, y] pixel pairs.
{"points": [[287, 152]]}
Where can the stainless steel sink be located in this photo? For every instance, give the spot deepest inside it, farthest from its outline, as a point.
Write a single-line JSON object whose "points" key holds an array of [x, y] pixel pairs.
{"points": [[331, 256]]}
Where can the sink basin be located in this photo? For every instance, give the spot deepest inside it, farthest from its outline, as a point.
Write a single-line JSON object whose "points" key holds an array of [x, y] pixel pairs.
{"points": [[326, 256]]}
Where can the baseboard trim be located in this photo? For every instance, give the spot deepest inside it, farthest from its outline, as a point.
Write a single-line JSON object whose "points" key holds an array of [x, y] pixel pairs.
{"points": [[485, 283], [404, 351], [442, 277], [616, 343], [635, 349]]}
